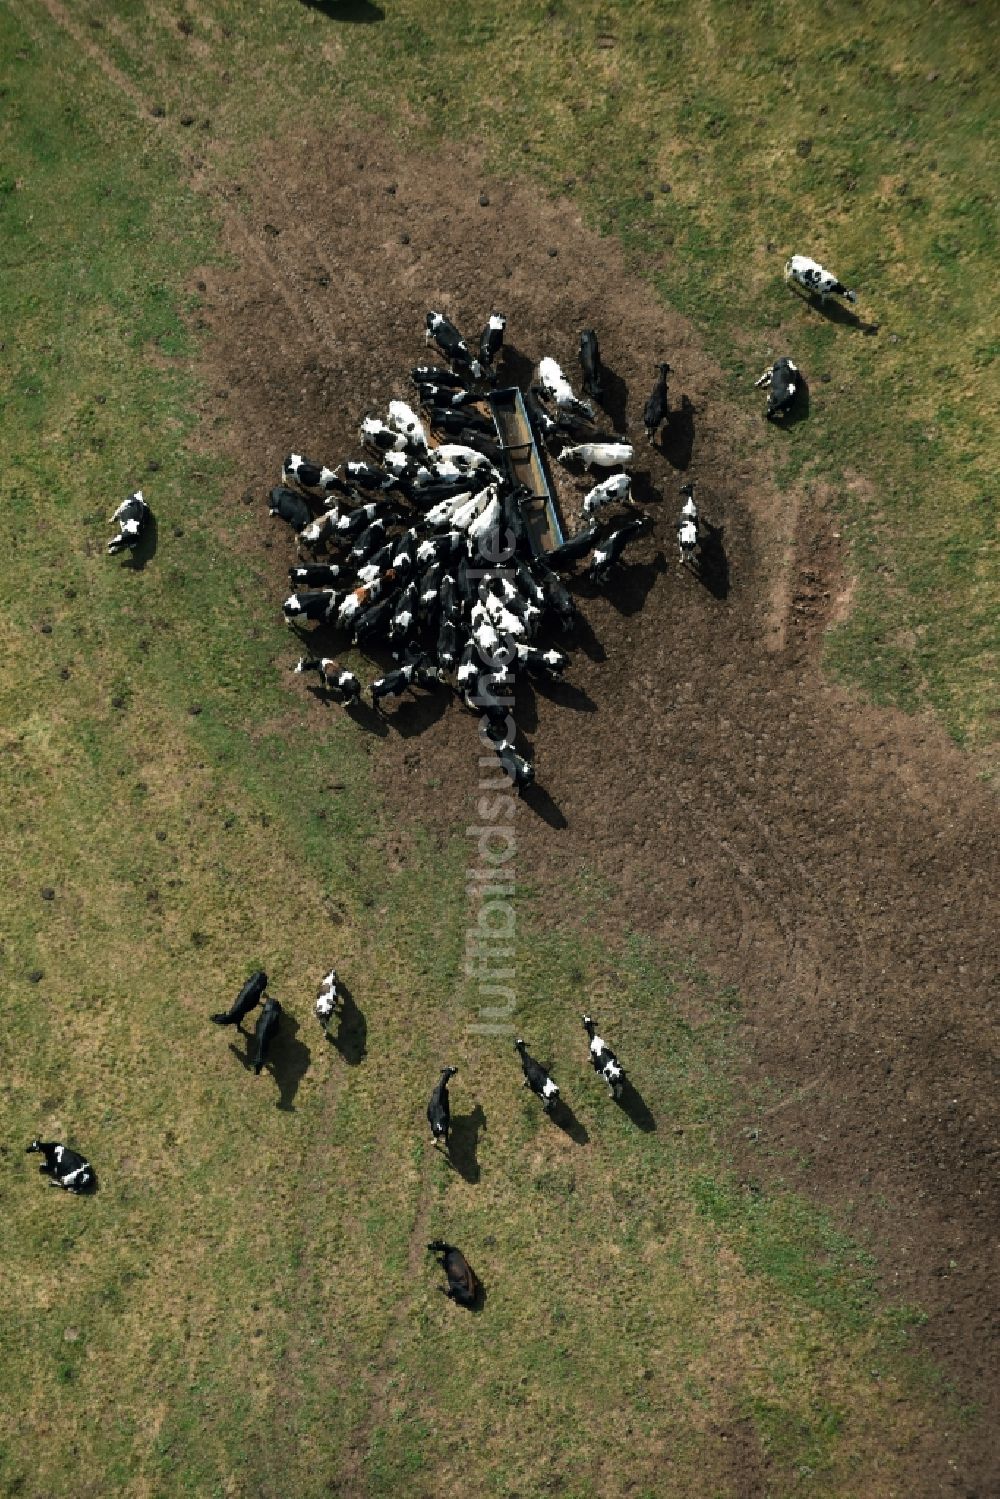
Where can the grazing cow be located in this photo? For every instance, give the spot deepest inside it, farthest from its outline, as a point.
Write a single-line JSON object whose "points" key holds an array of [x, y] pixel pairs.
{"points": [[557, 388], [491, 340], [435, 374], [393, 684], [315, 575], [460, 423], [373, 621], [615, 490], [368, 476], [439, 1109], [381, 438], [314, 478], [442, 331], [687, 526], [655, 410], [558, 598], [608, 553], [599, 454], [590, 361], [133, 516], [446, 650], [328, 1000], [488, 517], [464, 458], [536, 1078], [311, 606], [519, 771], [248, 999], [550, 663], [540, 419], [320, 531], [404, 616], [371, 538], [64, 1167], [819, 282], [343, 686], [463, 1283], [604, 1061], [353, 522], [564, 556], [403, 419], [782, 387], [264, 1030], [289, 506]]}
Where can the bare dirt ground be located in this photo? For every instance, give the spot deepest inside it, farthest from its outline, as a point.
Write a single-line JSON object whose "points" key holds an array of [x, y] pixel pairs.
{"points": [[836, 862]]}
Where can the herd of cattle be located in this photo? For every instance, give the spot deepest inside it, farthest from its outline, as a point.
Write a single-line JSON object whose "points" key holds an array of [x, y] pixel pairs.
{"points": [[428, 552]]}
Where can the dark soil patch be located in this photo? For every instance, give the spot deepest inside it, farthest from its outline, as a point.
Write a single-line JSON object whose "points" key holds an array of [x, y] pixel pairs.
{"points": [[836, 862]]}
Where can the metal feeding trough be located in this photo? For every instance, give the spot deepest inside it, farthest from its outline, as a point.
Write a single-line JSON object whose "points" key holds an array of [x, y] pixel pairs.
{"points": [[524, 466]]}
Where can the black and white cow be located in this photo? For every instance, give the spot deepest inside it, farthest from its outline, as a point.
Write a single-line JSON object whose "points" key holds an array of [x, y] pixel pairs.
{"points": [[439, 1109], [569, 552], [654, 413], [442, 331], [687, 526], [133, 516], [608, 554], [604, 1061], [463, 1283], [615, 490], [537, 1078], [315, 575], [264, 1032], [328, 1001], [549, 663], [64, 1167], [491, 340], [782, 382], [314, 478], [434, 374], [248, 999], [812, 276], [557, 389], [316, 607], [516, 768], [590, 363], [343, 686]]}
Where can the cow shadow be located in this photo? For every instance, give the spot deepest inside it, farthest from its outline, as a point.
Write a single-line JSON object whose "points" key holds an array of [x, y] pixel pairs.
{"points": [[287, 1058], [634, 1105], [644, 491], [525, 709], [713, 565], [367, 718], [628, 587], [677, 435], [836, 312], [797, 412], [145, 548], [514, 367], [565, 694], [584, 637], [614, 397], [351, 1038], [413, 715], [562, 1116], [541, 803], [359, 12], [463, 1143]]}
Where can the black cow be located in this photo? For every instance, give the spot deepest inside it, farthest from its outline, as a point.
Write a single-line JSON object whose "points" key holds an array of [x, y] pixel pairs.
{"points": [[783, 385], [248, 998], [314, 575], [289, 506], [463, 1283], [439, 1109], [264, 1030], [655, 410], [590, 361], [609, 552]]}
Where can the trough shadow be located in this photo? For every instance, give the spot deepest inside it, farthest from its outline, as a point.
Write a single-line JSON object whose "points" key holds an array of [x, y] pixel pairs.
{"points": [[145, 549], [351, 1039], [634, 1105], [359, 12], [797, 412], [614, 397], [563, 1116], [677, 435], [540, 802], [713, 564], [463, 1143], [629, 587]]}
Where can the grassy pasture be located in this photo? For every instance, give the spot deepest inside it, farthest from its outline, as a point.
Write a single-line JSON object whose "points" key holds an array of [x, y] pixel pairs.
{"points": [[241, 1309]]}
